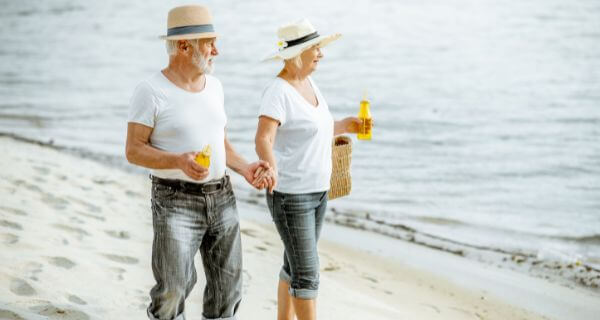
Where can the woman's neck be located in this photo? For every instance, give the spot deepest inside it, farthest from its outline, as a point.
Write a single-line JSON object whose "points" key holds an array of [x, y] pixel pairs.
{"points": [[292, 76]]}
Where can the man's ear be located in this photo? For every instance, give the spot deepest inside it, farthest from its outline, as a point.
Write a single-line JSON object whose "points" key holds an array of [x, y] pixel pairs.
{"points": [[182, 45]]}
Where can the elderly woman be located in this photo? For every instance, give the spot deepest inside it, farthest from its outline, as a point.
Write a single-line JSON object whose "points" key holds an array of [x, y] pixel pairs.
{"points": [[294, 135]]}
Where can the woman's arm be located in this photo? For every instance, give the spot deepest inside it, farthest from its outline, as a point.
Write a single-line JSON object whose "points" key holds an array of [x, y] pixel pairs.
{"points": [[347, 125], [264, 140]]}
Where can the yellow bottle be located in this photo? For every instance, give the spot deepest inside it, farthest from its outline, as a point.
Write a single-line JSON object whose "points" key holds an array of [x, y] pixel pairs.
{"points": [[364, 114], [203, 157]]}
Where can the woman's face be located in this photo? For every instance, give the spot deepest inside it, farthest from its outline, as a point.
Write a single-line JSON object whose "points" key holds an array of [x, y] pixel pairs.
{"points": [[310, 58]]}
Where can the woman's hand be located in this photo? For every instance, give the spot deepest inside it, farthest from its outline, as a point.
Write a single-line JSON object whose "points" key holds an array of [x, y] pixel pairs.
{"points": [[349, 125], [256, 171], [265, 178]]}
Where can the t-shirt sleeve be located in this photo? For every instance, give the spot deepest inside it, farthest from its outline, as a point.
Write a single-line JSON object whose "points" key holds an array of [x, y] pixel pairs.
{"points": [[272, 104], [143, 105]]}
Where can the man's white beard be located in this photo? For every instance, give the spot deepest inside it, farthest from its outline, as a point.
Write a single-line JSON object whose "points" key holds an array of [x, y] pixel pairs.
{"points": [[202, 63]]}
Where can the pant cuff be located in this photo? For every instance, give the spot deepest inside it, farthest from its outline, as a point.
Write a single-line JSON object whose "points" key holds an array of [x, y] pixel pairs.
{"points": [[305, 294], [228, 318], [284, 276], [152, 317]]}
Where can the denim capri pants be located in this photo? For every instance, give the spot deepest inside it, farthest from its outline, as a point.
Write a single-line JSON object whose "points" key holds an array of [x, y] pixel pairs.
{"points": [[298, 219]]}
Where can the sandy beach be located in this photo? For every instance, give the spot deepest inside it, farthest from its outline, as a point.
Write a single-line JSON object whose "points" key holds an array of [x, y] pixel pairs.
{"points": [[75, 239]]}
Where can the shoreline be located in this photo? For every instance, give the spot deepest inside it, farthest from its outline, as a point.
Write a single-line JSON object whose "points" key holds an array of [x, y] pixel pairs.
{"points": [[97, 223], [557, 269]]}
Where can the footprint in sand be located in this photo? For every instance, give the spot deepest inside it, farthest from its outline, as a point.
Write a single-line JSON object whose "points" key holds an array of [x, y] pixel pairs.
{"points": [[33, 268], [53, 312], [89, 206], [41, 170], [8, 238], [118, 234], [249, 232], [430, 306], [77, 300], [103, 181], [55, 202], [99, 218], [61, 262], [80, 233], [366, 277], [462, 311], [10, 224], [20, 287], [18, 212], [40, 180], [9, 315], [28, 186], [76, 220], [121, 259], [331, 267], [133, 194], [268, 244], [120, 272]]}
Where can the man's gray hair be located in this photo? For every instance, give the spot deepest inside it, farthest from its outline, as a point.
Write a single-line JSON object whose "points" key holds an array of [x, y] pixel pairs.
{"points": [[172, 45]]}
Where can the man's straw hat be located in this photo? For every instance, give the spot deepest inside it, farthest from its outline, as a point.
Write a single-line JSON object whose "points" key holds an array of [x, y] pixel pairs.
{"points": [[189, 22], [296, 37]]}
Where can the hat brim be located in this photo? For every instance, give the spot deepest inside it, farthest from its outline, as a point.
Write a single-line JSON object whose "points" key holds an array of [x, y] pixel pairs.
{"points": [[292, 52], [190, 36]]}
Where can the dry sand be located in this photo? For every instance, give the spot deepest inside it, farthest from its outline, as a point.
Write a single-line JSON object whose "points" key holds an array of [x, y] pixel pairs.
{"points": [[75, 239]]}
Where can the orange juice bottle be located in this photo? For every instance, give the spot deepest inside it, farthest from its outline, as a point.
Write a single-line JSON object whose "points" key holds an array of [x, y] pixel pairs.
{"points": [[364, 114], [203, 157]]}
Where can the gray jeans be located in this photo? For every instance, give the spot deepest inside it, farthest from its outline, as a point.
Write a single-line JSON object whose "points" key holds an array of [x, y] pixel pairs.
{"points": [[188, 217], [298, 219]]}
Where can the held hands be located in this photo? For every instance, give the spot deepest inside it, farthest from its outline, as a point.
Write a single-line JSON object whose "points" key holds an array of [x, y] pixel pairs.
{"points": [[186, 162], [261, 175]]}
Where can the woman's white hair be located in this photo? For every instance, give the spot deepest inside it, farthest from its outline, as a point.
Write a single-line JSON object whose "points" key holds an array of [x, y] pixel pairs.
{"points": [[295, 61]]}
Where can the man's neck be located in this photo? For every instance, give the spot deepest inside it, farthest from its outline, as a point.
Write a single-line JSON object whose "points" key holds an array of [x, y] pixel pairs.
{"points": [[185, 75]]}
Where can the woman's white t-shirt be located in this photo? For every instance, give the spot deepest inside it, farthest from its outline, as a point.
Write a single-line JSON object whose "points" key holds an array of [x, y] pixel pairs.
{"points": [[183, 121], [302, 145]]}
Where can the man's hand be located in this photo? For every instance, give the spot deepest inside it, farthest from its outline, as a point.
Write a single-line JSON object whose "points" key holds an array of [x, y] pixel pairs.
{"points": [[265, 178], [186, 162], [260, 175]]}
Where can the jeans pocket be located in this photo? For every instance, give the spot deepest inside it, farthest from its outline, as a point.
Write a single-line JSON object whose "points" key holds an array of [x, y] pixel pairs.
{"points": [[298, 203], [161, 193]]}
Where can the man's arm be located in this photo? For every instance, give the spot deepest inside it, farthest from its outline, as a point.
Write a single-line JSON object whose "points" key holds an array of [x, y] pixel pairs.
{"points": [[139, 152], [252, 172]]}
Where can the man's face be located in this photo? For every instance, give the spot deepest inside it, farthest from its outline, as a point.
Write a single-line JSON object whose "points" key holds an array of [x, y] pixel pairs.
{"points": [[204, 50]]}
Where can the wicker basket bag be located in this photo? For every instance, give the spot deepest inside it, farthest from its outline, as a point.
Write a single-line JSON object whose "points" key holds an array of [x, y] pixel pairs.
{"points": [[341, 182]]}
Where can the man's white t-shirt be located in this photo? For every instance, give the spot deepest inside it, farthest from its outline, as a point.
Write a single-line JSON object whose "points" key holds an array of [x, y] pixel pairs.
{"points": [[183, 121], [302, 145]]}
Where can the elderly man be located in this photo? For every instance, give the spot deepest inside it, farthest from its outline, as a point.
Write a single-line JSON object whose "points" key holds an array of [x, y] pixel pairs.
{"points": [[176, 114]]}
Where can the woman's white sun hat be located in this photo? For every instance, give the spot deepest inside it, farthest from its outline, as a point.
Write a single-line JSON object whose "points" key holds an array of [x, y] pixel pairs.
{"points": [[189, 22], [296, 37]]}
